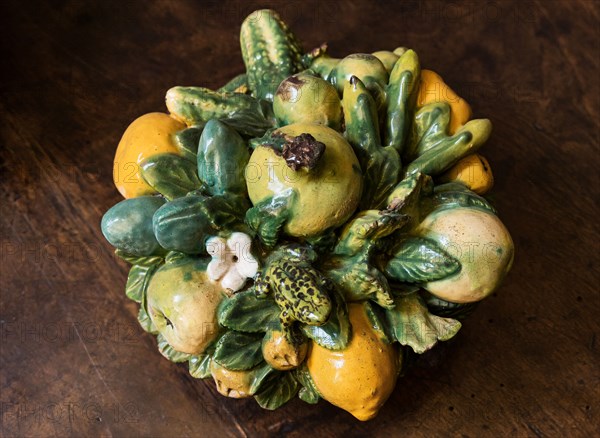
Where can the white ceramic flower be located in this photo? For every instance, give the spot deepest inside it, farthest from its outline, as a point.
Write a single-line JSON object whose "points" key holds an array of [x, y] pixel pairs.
{"points": [[232, 263]]}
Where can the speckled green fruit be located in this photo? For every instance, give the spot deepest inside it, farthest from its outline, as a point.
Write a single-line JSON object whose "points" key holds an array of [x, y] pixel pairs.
{"points": [[128, 225], [481, 243], [182, 303], [303, 98], [326, 195]]}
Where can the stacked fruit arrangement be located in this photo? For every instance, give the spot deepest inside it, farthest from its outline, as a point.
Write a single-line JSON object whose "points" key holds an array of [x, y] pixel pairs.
{"points": [[302, 229]]}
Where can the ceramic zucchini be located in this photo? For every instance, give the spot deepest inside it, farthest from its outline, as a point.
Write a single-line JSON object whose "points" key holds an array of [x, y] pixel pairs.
{"points": [[310, 227]]}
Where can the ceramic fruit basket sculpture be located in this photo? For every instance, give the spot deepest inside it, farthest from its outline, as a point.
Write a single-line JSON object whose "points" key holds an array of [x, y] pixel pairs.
{"points": [[304, 228]]}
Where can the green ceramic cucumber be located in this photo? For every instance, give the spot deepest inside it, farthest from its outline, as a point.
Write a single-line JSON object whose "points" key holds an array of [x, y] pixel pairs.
{"points": [[270, 51], [402, 94], [128, 225], [197, 105], [222, 159], [185, 223]]}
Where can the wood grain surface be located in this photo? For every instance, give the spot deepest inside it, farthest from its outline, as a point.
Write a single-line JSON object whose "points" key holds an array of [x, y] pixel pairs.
{"points": [[74, 74]]}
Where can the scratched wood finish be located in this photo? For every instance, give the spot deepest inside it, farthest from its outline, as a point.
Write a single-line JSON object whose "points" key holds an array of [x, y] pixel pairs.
{"points": [[73, 361]]}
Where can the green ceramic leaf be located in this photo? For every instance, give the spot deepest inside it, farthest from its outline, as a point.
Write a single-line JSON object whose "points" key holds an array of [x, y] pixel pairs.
{"points": [[281, 390], [139, 260], [146, 322], [419, 260], [379, 323], [413, 325], [137, 281], [261, 376], [239, 351], [187, 140], [446, 309], [407, 196], [335, 333], [245, 312], [455, 194], [267, 217], [358, 280], [169, 352], [199, 366], [308, 391], [235, 83], [170, 175]]}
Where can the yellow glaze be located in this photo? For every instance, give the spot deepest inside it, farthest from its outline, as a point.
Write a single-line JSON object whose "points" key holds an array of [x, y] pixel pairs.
{"points": [[326, 195], [360, 378], [474, 171], [387, 58], [482, 245], [234, 384], [147, 135], [280, 353], [434, 89]]}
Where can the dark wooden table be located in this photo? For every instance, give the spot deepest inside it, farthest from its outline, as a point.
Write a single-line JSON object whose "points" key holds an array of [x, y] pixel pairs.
{"points": [[73, 360]]}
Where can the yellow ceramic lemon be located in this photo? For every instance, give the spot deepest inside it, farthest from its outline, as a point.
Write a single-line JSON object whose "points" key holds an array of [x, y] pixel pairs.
{"points": [[147, 135], [434, 89], [474, 171], [360, 378], [482, 245], [327, 195]]}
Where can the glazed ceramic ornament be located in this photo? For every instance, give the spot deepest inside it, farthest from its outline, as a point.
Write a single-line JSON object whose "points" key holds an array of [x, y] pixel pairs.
{"points": [[299, 231]]}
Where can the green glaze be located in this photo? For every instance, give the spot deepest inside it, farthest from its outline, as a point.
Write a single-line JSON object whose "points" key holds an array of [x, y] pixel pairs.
{"points": [[430, 127], [222, 159], [270, 52], [170, 175], [236, 85], [319, 61], [187, 140], [197, 105], [128, 226], [185, 223], [381, 165], [299, 289], [412, 325], [402, 94], [449, 150], [366, 67], [307, 98], [268, 216], [352, 266]]}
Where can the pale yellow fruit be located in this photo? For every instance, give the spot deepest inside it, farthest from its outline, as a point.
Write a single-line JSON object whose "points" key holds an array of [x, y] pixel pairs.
{"points": [[361, 377], [182, 304], [482, 245]]}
